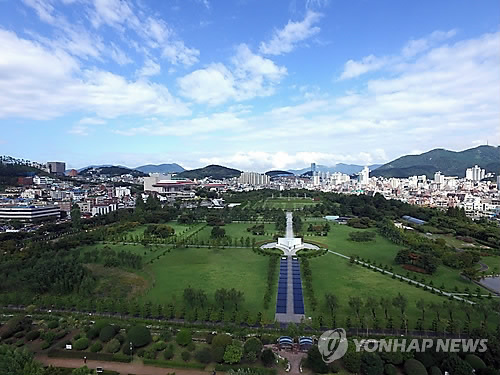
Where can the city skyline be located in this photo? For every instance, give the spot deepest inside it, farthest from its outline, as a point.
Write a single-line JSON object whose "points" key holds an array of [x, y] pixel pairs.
{"points": [[244, 85]]}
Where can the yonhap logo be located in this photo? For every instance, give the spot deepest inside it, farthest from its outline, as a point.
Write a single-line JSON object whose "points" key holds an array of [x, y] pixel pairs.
{"points": [[332, 345]]}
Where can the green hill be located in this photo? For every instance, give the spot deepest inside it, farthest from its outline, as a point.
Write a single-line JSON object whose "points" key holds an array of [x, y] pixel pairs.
{"points": [[450, 163], [112, 171], [10, 172], [217, 172]]}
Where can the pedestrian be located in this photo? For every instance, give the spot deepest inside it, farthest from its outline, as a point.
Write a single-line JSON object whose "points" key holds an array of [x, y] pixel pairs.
{"points": [[85, 359]]}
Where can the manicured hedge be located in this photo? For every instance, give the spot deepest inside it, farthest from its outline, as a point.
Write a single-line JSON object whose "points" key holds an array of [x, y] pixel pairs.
{"points": [[57, 353], [414, 367], [167, 364], [139, 336], [435, 371], [476, 362], [81, 343], [390, 369], [255, 370]]}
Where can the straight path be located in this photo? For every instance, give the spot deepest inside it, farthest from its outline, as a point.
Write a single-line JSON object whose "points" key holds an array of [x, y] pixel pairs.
{"points": [[137, 368]]}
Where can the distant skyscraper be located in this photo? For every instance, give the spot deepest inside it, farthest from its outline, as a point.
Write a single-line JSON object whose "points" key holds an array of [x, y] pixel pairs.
{"points": [[364, 176], [313, 168], [475, 173], [56, 167]]}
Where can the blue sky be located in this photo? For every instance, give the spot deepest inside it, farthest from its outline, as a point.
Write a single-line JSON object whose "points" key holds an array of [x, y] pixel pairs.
{"points": [[249, 84]]}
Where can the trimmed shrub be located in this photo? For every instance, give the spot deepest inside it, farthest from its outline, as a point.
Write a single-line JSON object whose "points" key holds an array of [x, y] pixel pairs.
{"points": [[217, 353], [390, 369], [222, 340], [186, 356], [32, 335], [52, 324], [253, 344], [168, 353], [113, 346], [139, 336], [371, 364], [120, 338], [267, 357], [414, 367], [204, 355], [159, 345], [476, 362], [434, 370], [183, 337], [107, 333], [426, 358], [96, 347], [81, 343], [191, 346]]}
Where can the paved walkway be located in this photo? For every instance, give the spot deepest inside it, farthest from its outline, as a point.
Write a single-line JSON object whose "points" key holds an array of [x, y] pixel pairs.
{"points": [[137, 368], [289, 316]]}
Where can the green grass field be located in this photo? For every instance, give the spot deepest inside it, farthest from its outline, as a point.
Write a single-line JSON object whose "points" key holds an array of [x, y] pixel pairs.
{"points": [[383, 251], [285, 203], [333, 274], [211, 269], [238, 230]]}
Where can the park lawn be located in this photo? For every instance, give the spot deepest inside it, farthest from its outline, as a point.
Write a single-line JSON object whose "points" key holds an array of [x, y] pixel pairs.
{"points": [[209, 270], [180, 229], [288, 203], [333, 274], [493, 262], [146, 252], [383, 251], [237, 230]]}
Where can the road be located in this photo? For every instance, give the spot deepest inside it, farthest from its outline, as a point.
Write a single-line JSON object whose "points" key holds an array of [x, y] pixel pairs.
{"points": [[137, 368]]}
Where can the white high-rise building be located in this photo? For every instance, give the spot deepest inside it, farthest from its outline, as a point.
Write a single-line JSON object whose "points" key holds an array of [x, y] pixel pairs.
{"points": [[253, 178], [474, 174], [438, 178], [364, 176]]}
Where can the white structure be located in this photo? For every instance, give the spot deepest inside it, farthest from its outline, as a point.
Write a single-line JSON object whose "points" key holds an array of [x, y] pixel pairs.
{"points": [[439, 178], [253, 178], [316, 179], [42, 180], [289, 244], [122, 191], [29, 213], [474, 174], [56, 167], [154, 178], [364, 176], [103, 208], [339, 178]]}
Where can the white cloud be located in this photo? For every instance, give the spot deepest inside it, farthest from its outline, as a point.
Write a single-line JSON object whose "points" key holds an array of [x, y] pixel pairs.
{"points": [[41, 83], [212, 85], [91, 121], [177, 53], [370, 63], [285, 40], [150, 68], [264, 160], [250, 76], [195, 126], [80, 130], [367, 64]]}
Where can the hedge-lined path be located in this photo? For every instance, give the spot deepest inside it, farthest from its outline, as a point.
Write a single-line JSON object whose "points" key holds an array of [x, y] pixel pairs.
{"points": [[137, 368]]}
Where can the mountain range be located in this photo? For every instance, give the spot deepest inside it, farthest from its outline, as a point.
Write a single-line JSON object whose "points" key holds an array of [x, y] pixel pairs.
{"points": [[217, 172], [450, 163], [161, 168]]}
